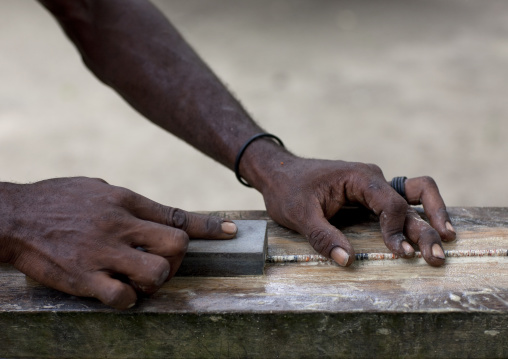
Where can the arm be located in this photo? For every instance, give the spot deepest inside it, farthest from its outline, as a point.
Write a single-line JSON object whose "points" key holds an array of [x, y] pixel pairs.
{"points": [[130, 46], [133, 48]]}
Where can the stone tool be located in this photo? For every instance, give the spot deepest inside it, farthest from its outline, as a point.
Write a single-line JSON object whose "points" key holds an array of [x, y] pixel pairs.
{"points": [[243, 255]]}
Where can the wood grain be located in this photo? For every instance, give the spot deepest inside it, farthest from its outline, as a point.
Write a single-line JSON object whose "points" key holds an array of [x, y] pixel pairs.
{"points": [[396, 308]]}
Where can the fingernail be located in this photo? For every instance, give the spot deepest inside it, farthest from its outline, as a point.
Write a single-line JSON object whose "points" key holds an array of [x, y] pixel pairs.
{"points": [[437, 251], [340, 256], [131, 305], [450, 227], [408, 250], [229, 227], [160, 281]]}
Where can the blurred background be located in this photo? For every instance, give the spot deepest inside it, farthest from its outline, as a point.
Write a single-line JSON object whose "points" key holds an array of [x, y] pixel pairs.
{"points": [[417, 87]]}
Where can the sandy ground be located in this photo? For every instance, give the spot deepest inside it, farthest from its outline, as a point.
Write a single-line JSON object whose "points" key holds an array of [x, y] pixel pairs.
{"points": [[417, 87]]}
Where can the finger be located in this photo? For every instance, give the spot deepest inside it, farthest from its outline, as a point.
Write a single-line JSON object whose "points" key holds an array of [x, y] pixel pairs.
{"points": [[391, 209], [424, 190], [97, 284], [148, 271], [168, 242], [426, 237], [158, 239], [109, 291], [328, 240], [194, 224], [200, 225]]}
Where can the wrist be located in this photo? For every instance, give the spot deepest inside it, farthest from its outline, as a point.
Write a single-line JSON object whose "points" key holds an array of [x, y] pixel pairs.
{"points": [[263, 161], [244, 148]]}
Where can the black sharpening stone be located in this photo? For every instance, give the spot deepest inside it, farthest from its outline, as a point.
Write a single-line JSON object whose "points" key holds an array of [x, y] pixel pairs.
{"points": [[243, 255]]}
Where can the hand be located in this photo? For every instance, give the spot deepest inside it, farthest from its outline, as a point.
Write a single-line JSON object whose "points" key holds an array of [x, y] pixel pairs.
{"points": [[303, 194], [79, 235]]}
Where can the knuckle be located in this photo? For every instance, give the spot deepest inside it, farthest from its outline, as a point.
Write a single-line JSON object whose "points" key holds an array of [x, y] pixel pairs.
{"points": [[361, 168], [320, 240], [428, 181], [375, 168], [177, 218], [120, 196], [97, 179], [181, 244]]}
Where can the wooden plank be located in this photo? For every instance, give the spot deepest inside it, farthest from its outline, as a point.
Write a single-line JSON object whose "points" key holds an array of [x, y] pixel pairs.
{"points": [[277, 335], [389, 308]]}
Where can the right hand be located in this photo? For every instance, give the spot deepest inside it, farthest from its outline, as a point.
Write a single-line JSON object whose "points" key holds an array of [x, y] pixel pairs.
{"points": [[303, 194], [79, 235]]}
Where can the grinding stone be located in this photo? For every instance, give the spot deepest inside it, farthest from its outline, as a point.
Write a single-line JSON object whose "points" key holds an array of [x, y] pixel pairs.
{"points": [[243, 255]]}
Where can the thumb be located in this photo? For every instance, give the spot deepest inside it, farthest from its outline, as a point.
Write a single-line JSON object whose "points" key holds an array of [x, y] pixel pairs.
{"points": [[329, 241]]}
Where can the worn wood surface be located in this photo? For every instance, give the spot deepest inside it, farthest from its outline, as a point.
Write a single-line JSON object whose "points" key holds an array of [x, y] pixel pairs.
{"points": [[387, 308]]}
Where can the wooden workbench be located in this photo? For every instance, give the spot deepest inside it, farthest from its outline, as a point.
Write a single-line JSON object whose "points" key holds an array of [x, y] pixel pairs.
{"points": [[376, 308]]}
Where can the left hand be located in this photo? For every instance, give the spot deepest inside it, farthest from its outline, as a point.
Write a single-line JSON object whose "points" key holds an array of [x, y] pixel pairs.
{"points": [[304, 193], [79, 235]]}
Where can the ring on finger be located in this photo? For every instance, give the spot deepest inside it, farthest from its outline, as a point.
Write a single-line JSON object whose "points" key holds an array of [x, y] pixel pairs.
{"points": [[398, 184]]}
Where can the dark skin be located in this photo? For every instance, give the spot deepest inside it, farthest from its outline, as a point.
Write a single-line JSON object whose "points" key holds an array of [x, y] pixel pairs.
{"points": [[79, 235]]}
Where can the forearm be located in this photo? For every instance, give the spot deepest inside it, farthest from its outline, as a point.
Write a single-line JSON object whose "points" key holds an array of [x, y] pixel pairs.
{"points": [[132, 47]]}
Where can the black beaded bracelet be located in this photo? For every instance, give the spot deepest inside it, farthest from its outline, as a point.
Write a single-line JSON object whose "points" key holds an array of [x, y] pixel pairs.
{"points": [[244, 147]]}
